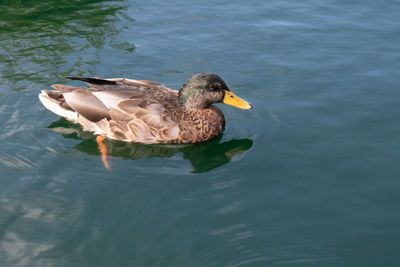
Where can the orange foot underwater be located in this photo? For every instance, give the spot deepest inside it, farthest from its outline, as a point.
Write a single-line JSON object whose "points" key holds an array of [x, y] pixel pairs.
{"points": [[103, 151]]}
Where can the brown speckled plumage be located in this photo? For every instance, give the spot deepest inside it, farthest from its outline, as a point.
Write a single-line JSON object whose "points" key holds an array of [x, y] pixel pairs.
{"points": [[142, 111]]}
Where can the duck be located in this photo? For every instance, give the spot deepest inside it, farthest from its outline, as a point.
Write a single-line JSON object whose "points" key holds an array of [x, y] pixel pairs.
{"points": [[142, 111]]}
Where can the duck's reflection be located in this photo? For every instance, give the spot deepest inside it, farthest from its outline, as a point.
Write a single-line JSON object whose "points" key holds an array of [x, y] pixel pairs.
{"points": [[203, 157]]}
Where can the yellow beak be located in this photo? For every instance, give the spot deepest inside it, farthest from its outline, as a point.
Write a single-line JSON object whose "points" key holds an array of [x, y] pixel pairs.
{"points": [[233, 100]]}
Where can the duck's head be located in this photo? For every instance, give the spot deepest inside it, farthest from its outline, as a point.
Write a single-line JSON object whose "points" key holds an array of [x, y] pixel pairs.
{"points": [[202, 90]]}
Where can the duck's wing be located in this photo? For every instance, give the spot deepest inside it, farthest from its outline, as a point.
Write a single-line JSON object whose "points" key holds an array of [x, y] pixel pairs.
{"points": [[133, 109], [94, 102]]}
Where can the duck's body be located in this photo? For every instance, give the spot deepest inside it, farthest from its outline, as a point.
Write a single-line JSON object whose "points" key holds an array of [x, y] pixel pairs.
{"points": [[142, 111]]}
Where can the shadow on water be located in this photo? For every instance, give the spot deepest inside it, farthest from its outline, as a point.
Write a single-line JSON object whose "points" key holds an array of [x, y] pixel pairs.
{"points": [[44, 40], [203, 157]]}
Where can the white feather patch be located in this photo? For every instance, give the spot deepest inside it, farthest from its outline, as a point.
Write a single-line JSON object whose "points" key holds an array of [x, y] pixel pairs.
{"points": [[109, 99], [55, 107], [174, 132]]}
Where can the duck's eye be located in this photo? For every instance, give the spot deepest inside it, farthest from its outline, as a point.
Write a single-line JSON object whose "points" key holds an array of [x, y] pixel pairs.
{"points": [[216, 86], [231, 96]]}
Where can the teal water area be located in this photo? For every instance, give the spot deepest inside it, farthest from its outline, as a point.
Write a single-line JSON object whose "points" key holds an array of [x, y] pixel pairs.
{"points": [[309, 177]]}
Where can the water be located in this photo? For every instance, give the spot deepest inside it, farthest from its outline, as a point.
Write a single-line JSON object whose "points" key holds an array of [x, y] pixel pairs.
{"points": [[309, 177]]}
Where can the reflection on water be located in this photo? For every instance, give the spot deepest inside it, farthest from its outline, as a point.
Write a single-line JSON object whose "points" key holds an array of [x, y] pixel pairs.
{"points": [[203, 157], [43, 40]]}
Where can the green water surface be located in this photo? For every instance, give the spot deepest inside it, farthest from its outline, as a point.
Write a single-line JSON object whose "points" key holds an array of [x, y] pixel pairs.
{"points": [[309, 177]]}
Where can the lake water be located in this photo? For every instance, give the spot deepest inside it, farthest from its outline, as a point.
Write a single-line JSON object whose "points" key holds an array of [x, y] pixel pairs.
{"points": [[309, 177]]}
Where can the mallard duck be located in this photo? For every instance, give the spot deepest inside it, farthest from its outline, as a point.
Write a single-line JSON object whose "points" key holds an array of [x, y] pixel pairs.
{"points": [[144, 111]]}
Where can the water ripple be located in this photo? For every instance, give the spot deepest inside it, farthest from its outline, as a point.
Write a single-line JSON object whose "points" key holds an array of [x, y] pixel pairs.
{"points": [[16, 161]]}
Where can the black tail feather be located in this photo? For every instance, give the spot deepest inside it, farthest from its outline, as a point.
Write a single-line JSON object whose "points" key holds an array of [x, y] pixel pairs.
{"points": [[96, 81]]}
